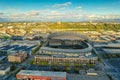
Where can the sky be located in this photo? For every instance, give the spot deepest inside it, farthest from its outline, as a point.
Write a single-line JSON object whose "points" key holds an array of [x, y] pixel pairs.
{"points": [[59, 10]]}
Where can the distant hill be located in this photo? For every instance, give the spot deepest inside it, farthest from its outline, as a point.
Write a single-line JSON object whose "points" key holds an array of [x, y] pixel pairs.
{"points": [[107, 20], [4, 20]]}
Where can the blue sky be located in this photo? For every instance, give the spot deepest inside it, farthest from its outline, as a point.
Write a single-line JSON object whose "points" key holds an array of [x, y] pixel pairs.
{"points": [[59, 10]]}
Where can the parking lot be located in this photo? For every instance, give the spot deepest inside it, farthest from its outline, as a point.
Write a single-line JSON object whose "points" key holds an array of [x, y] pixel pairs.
{"points": [[115, 62], [17, 48], [86, 77], [112, 64], [40, 68]]}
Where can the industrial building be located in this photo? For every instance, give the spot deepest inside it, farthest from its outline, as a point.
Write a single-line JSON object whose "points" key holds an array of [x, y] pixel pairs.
{"points": [[40, 75]]}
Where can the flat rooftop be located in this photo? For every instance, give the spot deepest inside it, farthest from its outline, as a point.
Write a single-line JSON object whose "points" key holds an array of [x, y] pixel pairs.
{"points": [[112, 51], [3, 66], [2, 57], [67, 37], [86, 77], [63, 56], [19, 53], [42, 73], [113, 45]]}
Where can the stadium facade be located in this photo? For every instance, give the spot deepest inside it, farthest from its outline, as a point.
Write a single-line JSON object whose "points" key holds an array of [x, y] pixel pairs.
{"points": [[64, 47]]}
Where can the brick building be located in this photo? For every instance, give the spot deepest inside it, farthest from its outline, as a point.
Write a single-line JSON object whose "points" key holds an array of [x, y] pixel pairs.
{"points": [[19, 56], [40, 75]]}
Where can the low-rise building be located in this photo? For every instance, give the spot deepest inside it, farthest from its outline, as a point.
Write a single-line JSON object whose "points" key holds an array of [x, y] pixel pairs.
{"points": [[64, 59], [2, 58], [40, 75], [4, 68], [19, 56], [91, 72]]}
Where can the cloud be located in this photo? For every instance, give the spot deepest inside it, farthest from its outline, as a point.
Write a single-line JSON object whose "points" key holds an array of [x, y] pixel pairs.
{"points": [[63, 5], [55, 15], [1, 13], [13, 10], [107, 16], [58, 15], [33, 13], [17, 15], [78, 7], [24, 15]]}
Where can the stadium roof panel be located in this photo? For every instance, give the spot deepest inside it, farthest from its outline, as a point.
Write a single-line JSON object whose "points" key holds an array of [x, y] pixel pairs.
{"points": [[71, 34], [67, 37], [88, 49]]}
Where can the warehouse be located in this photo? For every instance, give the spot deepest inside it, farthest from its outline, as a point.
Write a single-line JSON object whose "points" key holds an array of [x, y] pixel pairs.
{"points": [[40, 75]]}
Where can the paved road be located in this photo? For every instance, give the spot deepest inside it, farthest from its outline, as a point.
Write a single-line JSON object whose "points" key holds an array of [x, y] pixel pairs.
{"points": [[109, 69], [25, 64]]}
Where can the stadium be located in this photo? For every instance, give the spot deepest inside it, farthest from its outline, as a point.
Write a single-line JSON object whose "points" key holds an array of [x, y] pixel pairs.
{"points": [[65, 46]]}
